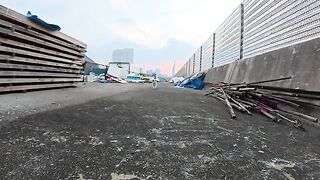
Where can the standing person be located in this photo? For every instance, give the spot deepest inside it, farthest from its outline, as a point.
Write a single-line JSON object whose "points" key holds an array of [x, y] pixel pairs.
{"points": [[154, 81]]}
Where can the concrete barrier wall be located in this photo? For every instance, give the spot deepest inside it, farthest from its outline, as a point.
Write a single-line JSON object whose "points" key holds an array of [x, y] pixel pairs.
{"points": [[301, 61]]}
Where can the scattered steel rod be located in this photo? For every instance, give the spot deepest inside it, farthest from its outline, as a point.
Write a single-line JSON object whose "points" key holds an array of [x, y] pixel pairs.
{"points": [[314, 119], [240, 105], [271, 80], [232, 113], [248, 97]]}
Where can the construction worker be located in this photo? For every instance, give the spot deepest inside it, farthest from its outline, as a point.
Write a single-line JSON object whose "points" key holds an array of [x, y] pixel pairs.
{"points": [[154, 81]]}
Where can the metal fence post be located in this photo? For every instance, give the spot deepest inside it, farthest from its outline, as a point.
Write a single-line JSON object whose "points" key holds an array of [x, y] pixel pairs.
{"points": [[213, 48], [194, 63], [200, 58], [241, 31]]}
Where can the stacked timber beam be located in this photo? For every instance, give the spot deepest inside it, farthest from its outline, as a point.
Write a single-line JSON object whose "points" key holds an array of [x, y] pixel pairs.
{"points": [[277, 104], [32, 57]]}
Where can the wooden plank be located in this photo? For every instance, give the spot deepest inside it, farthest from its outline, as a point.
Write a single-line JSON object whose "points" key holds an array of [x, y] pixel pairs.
{"points": [[35, 48], [23, 37], [38, 55], [4, 11], [35, 34], [7, 58], [37, 80], [37, 68], [37, 74], [39, 42], [34, 87]]}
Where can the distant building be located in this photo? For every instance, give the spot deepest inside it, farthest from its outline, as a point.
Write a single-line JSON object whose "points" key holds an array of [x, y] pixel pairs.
{"points": [[137, 69], [156, 71], [123, 55], [141, 71]]}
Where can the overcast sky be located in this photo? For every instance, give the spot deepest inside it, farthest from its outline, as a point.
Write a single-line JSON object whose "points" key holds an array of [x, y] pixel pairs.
{"points": [[161, 31]]}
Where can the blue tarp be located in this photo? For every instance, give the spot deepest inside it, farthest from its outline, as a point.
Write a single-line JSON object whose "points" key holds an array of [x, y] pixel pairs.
{"points": [[195, 81], [196, 84], [51, 27]]}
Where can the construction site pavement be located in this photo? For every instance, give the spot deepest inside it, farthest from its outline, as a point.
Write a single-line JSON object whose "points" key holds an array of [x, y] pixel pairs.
{"points": [[163, 133]]}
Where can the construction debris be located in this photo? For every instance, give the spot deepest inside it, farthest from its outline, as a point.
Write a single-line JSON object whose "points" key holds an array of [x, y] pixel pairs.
{"points": [[275, 103], [111, 78], [176, 80], [33, 57]]}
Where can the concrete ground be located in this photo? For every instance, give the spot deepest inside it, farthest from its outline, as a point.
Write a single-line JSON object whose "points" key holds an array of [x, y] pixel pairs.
{"points": [[18, 105], [145, 133]]}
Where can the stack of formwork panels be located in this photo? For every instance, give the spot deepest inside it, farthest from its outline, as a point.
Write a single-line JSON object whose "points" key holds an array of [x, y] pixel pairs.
{"points": [[32, 57]]}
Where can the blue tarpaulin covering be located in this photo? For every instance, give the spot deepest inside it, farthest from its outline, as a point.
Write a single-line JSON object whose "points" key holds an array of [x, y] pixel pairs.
{"points": [[51, 27], [196, 84], [195, 81]]}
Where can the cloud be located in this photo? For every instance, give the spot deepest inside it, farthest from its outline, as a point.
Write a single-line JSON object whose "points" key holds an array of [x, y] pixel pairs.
{"points": [[196, 20], [126, 20], [147, 22], [160, 30], [140, 34]]}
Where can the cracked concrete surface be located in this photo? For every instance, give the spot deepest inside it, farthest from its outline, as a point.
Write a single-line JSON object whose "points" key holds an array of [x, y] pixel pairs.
{"points": [[163, 133]]}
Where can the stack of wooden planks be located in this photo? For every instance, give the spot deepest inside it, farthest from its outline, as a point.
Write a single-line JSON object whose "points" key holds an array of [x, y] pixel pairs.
{"points": [[32, 57]]}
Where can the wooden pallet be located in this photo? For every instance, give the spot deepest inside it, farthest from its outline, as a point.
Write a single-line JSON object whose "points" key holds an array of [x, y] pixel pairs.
{"points": [[32, 57]]}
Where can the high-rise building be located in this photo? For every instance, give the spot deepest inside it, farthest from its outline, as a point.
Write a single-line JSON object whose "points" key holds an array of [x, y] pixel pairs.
{"points": [[123, 55], [141, 70], [156, 71], [149, 72]]}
